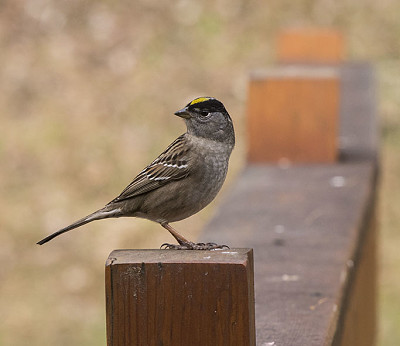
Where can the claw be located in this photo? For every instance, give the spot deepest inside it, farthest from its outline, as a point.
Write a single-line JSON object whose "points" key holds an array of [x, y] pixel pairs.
{"points": [[193, 246]]}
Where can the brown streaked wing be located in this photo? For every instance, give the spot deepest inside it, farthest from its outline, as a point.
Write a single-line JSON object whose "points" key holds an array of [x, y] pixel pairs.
{"points": [[172, 164]]}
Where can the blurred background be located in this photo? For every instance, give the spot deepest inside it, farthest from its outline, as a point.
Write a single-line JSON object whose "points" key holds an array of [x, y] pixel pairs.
{"points": [[87, 95]]}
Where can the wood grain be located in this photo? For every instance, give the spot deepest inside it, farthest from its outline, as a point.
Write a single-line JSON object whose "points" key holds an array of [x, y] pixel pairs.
{"points": [[167, 297]]}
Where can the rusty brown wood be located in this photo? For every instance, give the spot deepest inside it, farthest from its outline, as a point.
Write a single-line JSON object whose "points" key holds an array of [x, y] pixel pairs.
{"points": [[168, 297], [293, 115], [310, 45]]}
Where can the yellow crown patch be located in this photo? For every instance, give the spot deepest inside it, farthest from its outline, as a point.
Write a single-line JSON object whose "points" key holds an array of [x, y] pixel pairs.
{"points": [[199, 99]]}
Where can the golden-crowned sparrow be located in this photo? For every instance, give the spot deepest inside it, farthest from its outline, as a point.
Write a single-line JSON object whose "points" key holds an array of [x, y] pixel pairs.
{"points": [[183, 179]]}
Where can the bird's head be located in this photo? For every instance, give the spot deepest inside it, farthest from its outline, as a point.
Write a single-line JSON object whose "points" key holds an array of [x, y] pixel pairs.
{"points": [[207, 117]]}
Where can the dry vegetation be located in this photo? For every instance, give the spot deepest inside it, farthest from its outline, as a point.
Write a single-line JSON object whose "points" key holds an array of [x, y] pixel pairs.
{"points": [[87, 93]]}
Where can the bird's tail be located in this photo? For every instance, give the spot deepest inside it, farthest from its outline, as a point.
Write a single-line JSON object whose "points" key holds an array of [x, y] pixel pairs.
{"points": [[103, 213]]}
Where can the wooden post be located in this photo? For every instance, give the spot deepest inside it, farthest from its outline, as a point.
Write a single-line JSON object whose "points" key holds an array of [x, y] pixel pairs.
{"points": [[168, 297], [293, 115], [310, 45]]}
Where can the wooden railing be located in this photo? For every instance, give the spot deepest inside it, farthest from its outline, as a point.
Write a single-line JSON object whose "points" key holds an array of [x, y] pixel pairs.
{"points": [[305, 203]]}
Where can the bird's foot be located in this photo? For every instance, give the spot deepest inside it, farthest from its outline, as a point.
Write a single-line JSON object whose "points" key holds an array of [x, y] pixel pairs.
{"points": [[194, 246]]}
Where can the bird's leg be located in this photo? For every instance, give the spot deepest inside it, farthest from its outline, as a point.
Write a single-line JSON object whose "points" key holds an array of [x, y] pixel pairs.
{"points": [[180, 239], [185, 244]]}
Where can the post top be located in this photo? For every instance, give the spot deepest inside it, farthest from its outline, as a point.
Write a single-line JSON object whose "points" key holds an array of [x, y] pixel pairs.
{"points": [[235, 256]]}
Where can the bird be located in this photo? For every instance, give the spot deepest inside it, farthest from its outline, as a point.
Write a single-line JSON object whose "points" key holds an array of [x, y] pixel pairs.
{"points": [[182, 180]]}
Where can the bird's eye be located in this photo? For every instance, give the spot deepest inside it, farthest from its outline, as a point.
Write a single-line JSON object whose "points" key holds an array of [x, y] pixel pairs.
{"points": [[204, 113]]}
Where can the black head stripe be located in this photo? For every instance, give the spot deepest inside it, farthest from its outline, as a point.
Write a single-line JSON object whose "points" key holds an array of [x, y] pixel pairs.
{"points": [[208, 104]]}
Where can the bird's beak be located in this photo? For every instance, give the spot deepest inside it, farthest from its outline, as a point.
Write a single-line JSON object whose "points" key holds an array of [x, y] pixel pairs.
{"points": [[183, 113]]}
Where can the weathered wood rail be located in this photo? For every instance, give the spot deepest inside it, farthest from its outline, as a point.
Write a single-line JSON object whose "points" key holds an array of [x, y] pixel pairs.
{"points": [[313, 231], [312, 227]]}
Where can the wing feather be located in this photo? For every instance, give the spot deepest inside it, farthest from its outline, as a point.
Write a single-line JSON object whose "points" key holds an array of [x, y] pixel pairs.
{"points": [[172, 164]]}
